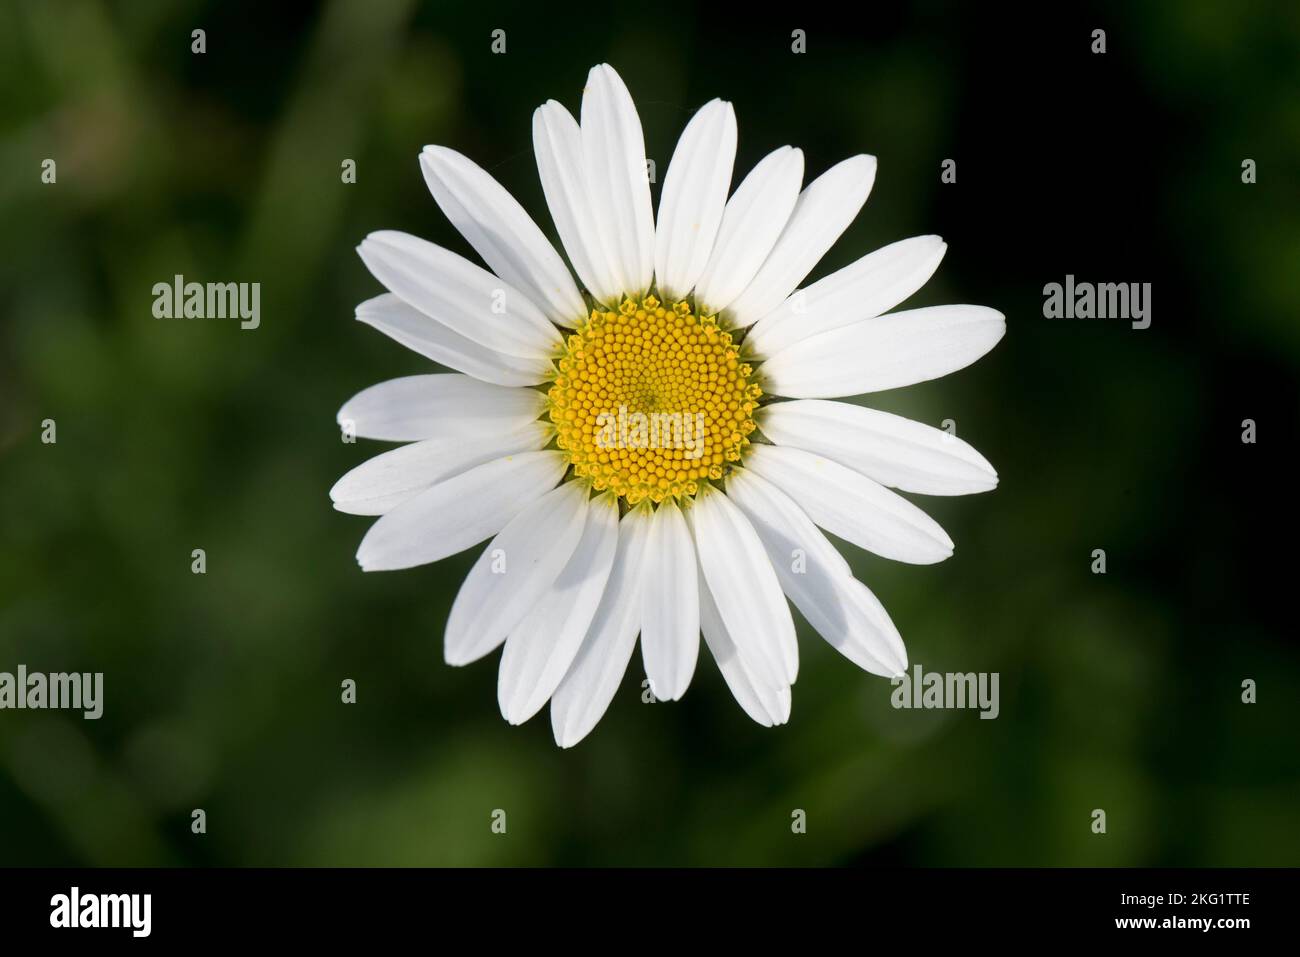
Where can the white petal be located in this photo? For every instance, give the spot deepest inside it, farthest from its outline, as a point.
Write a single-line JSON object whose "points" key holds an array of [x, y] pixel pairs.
{"points": [[892, 450], [744, 587], [670, 607], [586, 691], [878, 640], [438, 406], [542, 646], [380, 484], [874, 284], [773, 514], [816, 578], [824, 210], [767, 704], [501, 232], [694, 194], [617, 180], [466, 298], [459, 512], [517, 568], [557, 144], [886, 352], [852, 506], [430, 338], [751, 223]]}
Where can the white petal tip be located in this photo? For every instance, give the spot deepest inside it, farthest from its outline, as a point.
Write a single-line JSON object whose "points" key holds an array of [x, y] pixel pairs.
{"points": [[929, 557], [379, 236], [666, 694], [516, 713], [783, 717], [893, 661], [567, 739], [370, 563], [435, 160]]}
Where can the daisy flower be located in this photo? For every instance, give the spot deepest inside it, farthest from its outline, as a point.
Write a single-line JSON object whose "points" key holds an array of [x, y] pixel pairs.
{"points": [[650, 448]]}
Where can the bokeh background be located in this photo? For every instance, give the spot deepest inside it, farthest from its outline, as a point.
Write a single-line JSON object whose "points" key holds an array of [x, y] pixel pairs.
{"points": [[1119, 691]]}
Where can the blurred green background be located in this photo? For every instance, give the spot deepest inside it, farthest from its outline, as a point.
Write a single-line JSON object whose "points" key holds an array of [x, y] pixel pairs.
{"points": [[1118, 691]]}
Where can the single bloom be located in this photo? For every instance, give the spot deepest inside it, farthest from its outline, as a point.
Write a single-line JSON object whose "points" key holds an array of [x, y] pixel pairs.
{"points": [[651, 447]]}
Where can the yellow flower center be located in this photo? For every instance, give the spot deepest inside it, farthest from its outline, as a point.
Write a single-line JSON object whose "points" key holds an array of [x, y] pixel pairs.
{"points": [[649, 401]]}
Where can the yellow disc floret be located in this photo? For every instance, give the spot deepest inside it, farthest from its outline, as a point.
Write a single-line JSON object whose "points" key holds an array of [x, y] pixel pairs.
{"points": [[651, 400]]}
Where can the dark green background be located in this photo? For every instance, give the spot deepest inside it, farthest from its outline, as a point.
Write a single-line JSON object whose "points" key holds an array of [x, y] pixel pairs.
{"points": [[1119, 691]]}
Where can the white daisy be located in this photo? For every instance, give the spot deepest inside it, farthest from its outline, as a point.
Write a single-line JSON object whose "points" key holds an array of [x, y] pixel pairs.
{"points": [[651, 452]]}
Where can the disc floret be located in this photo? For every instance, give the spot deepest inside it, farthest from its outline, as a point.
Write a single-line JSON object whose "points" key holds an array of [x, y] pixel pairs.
{"points": [[651, 400]]}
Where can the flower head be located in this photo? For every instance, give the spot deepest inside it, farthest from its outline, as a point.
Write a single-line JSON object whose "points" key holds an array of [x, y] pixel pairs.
{"points": [[650, 449]]}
